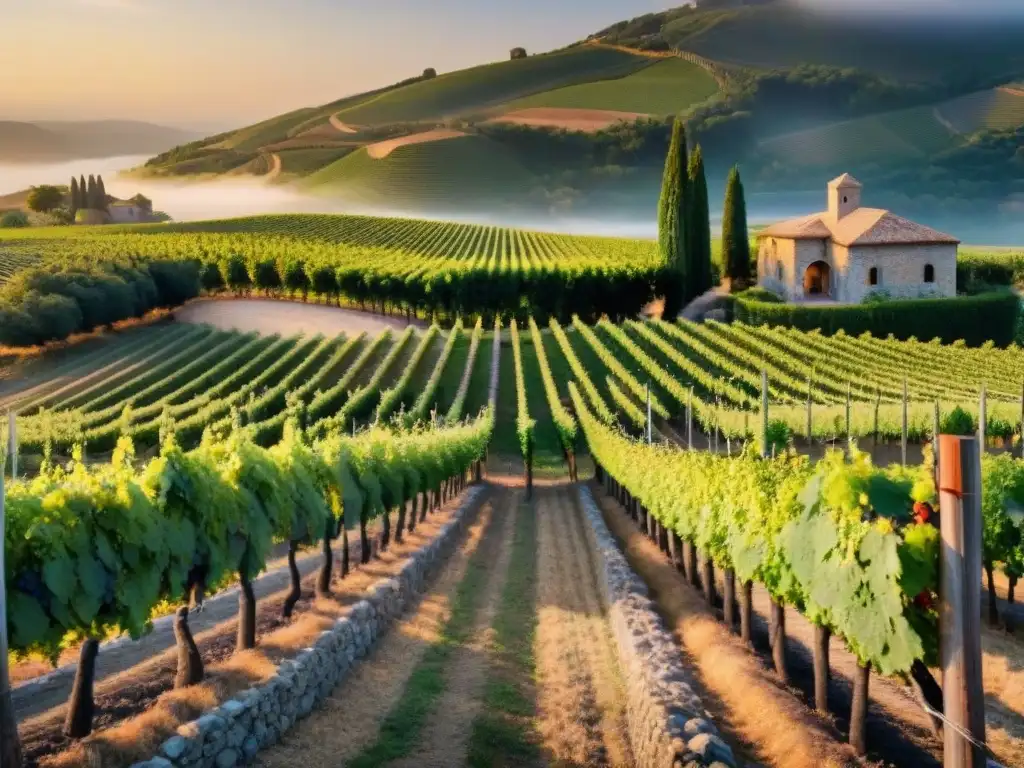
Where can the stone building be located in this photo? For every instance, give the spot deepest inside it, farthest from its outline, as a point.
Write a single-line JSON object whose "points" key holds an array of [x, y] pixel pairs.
{"points": [[847, 252]]}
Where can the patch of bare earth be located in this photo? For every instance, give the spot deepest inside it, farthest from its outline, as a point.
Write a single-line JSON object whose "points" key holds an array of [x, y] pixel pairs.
{"points": [[757, 715], [445, 736], [350, 719], [580, 689], [382, 149], [341, 127], [269, 316], [144, 690], [586, 120]]}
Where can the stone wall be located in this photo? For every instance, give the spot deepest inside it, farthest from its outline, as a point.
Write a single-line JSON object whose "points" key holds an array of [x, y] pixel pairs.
{"points": [[668, 727], [901, 271], [235, 731]]}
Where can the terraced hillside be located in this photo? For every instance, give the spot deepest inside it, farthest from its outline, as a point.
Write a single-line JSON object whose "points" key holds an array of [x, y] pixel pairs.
{"points": [[665, 87], [428, 176]]}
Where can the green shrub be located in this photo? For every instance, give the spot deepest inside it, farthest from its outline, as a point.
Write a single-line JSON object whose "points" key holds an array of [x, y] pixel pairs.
{"points": [[757, 293], [13, 220], [957, 422], [974, 319]]}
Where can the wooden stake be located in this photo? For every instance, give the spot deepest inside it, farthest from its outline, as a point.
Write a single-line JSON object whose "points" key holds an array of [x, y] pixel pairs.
{"points": [[982, 420], [689, 420], [10, 743], [12, 443], [849, 428], [810, 420], [903, 434], [960, 602], [764, 414]]}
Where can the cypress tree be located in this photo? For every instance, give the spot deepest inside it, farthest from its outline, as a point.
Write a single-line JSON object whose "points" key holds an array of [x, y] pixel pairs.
{"points": [[83, 194], [76, 201], [735, 238], [91, 194], [101, 194], [672, 219], [698, 228]]}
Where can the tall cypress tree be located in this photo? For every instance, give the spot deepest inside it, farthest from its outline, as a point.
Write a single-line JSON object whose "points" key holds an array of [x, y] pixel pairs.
{"points": [[735, 238], [83, 194], [90, 196], [76, 201], [101, 194], [698, 228], [672, 219]]}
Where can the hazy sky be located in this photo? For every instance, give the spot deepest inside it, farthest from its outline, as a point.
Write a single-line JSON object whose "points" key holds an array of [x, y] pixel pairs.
{"points": [[214, 63]]}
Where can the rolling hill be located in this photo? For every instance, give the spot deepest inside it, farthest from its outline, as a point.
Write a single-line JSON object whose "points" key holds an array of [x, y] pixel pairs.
{"points": [[427, 176], [52, 141], [788, 93], [664, 87]]}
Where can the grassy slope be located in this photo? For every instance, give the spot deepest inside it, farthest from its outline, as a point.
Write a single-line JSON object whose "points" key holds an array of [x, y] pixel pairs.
{"points": [[906, 133], [475, 89], [994, 110], [664, 87], [447, 171], [782, 35]]}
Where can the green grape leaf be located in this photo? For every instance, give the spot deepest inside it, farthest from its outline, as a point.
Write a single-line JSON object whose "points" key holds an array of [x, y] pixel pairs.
{"points": [[92, 576], [86, 606], [29, 623], [105, 551], [59, 577], [919, 559]]}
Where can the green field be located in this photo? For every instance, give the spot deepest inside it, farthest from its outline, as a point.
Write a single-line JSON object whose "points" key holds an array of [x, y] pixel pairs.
{"points": [[301, 162], [994, 110], [782, 34], [479, 88], [876, 139], [664, 87], [468, 171]]}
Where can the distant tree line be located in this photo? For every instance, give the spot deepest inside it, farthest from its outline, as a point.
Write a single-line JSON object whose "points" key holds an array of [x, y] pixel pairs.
{"points": [[54, 302], [91, 194]]}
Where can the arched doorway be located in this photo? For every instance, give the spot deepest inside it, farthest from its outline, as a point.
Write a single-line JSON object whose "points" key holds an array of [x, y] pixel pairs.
{"points": [[817, 280]]}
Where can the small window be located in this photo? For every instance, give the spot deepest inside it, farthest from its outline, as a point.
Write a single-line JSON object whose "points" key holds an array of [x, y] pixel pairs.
{"points": [[778, 271], [873, 276], [929, 273], [844, 198]]}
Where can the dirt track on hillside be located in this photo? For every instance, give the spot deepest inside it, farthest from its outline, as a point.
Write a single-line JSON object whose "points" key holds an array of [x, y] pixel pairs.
{"points": [[586, 120]]}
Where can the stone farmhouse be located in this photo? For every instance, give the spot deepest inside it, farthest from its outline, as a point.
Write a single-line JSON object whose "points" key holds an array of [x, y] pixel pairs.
{"points": [[848, 252]]}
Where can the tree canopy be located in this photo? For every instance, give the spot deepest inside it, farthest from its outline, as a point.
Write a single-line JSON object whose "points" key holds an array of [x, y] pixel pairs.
{"points": [[45, 198]]}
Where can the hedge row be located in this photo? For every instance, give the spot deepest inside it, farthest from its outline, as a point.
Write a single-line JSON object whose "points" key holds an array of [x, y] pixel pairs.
{"points": [[975, 319], [50, 304]]}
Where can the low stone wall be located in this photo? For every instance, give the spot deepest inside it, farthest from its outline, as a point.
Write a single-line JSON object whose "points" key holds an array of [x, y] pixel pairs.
{"points": [[668, 726], [235, 731]]}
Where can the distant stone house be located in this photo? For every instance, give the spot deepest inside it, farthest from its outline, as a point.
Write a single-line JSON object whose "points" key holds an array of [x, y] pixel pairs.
{"points": [[127, 213], [848, 252]]}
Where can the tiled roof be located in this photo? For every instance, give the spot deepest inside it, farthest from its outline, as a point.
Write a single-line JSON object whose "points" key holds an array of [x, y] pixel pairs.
{"points": [[864, 226], [846, 180]]}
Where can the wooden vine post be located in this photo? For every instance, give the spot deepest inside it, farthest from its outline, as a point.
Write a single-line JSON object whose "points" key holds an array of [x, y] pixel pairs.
{"points": [[849, 427], [810, 417], [10, 744], [1022, 419], [689, 419], [960, 602], [903, 432], [982, 419]]}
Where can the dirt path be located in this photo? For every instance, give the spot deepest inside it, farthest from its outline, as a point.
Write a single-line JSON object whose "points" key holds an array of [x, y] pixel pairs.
{"points": [[581, 693], [352, 722], [445, 736], [275, 167], [339, 126], [286, 318]]}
